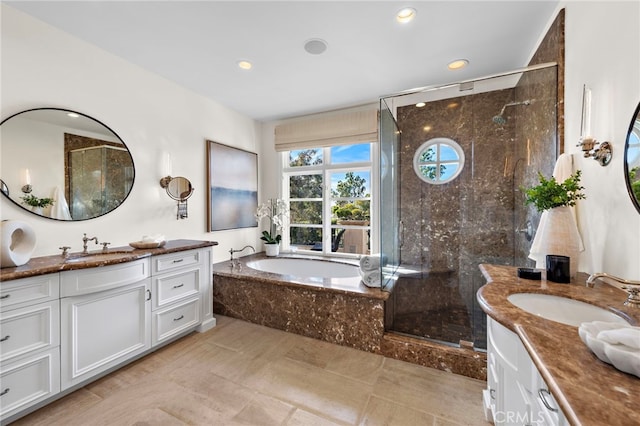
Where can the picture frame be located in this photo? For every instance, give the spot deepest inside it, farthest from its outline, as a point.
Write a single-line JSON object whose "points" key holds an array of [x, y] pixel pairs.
{"points": [[232, 187]]}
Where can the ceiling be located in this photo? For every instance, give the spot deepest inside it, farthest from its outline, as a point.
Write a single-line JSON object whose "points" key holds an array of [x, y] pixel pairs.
{"points": [[197, 44]]}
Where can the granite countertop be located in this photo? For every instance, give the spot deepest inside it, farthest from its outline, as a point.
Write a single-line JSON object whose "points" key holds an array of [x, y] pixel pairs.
{"points": [[56, 263], [589, 391], [349, 285]]}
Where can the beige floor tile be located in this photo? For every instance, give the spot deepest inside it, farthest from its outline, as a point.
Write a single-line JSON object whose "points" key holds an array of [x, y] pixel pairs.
{"points": [[445, 395], [57, 413], [304, 418], [264, 410], [358, 365], [383, 412], [312, 388]]}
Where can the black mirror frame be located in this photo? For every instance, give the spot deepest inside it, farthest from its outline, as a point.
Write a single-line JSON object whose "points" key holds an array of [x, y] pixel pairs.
{"points": [[634, 200], [5, 190]]}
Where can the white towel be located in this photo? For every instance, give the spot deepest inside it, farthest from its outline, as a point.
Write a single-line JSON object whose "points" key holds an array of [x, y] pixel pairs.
{"points": [[60, 208], [562, 171], [156, 238], [371, 278], [371, 262], [627, 336]]}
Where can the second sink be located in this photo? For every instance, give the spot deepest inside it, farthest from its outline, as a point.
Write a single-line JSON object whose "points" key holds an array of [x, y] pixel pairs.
{"points": [[562, 309]]}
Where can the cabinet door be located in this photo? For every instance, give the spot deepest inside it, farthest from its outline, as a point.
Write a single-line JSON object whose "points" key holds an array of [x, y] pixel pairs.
{"points": [[103, 329]]}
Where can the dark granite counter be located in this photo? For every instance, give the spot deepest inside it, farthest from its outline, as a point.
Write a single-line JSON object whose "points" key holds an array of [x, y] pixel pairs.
{"points": [[56, 263], [589, 391]]}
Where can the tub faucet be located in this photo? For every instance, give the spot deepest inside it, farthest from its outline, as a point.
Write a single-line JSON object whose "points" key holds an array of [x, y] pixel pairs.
{"points": [[231, 251], [630, 286], [85, 240]]}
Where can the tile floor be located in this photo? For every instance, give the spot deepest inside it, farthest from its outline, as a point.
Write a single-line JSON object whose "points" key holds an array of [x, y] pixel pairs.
{"points": [[245, 374]]}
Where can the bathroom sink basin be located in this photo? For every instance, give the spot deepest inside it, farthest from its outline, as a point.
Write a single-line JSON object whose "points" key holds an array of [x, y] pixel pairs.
{"points": [[562, 309], [96, 257]]}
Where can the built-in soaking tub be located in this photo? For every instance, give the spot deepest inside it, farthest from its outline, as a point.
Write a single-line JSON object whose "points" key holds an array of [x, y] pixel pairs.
{"points": [[316, 298]]}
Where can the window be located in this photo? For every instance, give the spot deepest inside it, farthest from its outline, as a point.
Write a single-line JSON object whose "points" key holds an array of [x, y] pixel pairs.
{"points": [[438, 161], [329, 191]]}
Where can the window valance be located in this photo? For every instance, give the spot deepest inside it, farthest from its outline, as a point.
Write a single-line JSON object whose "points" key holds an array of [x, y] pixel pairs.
{"points": [[343, 127]]}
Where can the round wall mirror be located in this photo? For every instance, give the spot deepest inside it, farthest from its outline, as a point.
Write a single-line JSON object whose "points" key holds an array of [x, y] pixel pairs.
{"points": [[179, 188], [632, 159], [63, 165]]}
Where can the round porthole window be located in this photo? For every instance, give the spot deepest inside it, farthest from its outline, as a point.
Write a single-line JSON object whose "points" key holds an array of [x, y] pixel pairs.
{"points": [[438, 160]]}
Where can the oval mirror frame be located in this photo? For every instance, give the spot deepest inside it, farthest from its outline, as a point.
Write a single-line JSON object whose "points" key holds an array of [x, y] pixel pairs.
{"points": [[179, 188], [632, 159], [40, 134]]}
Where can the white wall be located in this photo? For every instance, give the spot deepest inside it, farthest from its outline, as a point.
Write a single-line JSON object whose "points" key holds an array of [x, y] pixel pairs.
{"points": [[603, 52], [44, 67]]}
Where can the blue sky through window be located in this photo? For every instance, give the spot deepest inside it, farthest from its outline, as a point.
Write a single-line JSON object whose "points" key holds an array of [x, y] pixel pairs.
{"points": [[350, 153]]}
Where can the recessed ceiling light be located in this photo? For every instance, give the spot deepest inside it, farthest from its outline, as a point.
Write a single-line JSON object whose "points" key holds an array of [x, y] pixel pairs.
{"points": [[420, 104], [406, 15], [315, 46], [73, 115], [245, 65], [457, 64], [427, 128]]}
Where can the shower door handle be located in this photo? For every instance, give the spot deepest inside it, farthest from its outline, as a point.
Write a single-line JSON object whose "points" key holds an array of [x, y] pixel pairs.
{"points": [[400, 233]]}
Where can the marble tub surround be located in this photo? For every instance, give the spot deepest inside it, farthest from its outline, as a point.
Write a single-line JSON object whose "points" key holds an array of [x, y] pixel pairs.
{"points": [[338, 310], [56, 263], [589, 391]]}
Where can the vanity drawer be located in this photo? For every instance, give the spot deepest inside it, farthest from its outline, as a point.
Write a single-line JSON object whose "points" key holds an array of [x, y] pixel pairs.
{"points": [[174, 261], [91, 280], [29, 381], [169, 288], [174, 320], [27, 291], [29, 329]]}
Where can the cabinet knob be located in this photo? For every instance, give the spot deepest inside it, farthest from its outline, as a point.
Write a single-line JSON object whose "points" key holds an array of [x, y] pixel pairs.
{"points": [[178, 286], [4, 392], [179, 318], [6, 296], [5, 338]]}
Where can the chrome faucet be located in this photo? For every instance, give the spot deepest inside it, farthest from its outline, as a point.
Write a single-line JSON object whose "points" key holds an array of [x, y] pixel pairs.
{"points": [[85, 240], [231, 251], [630, 286]]}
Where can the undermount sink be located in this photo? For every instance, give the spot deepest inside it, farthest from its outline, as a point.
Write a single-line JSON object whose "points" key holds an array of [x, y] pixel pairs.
{"points": [[562, 309], [95, 257]]}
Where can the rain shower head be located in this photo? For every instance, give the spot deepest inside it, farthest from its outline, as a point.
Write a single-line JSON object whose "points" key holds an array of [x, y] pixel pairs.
{"points": [[499, 119]]}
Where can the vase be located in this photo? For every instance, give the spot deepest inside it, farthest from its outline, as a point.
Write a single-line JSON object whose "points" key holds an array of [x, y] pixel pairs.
{"points": [[558, 234], [37, 210], [272, 249]]}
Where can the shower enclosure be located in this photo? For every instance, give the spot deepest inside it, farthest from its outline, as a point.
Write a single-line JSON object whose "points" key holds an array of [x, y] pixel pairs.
{"points": [[453, 161]]}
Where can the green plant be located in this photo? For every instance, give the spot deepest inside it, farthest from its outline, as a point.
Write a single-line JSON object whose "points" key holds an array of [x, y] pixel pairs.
{"points": [[352, 211], [34, 201], [549, 193]]}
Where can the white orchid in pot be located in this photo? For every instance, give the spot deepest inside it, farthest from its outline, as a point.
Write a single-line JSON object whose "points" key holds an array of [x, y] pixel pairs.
{"points": [[276, 210]]}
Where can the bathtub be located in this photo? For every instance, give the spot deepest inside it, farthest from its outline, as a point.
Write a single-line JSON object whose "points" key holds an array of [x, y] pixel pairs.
{"points": [[308, 268]]}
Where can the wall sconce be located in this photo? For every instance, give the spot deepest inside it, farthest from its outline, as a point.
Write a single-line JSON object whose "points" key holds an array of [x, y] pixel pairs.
{"points": [[26, 187], [600, 151], [179, 189], [166, 169]]}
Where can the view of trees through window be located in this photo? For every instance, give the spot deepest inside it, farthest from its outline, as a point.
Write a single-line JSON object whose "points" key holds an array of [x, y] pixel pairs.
{"points": [[329, 193]]}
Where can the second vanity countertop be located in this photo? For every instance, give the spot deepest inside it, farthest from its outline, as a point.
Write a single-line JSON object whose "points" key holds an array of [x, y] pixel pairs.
{"points": [[589, 391], [56, 263]]}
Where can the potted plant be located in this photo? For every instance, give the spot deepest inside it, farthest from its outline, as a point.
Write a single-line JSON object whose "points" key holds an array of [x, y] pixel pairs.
{"points": [[276, 211], [37, 204], [557, 232]]}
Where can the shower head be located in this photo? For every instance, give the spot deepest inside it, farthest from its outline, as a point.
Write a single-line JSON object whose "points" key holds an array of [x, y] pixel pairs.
{"points": [[499, 119]]}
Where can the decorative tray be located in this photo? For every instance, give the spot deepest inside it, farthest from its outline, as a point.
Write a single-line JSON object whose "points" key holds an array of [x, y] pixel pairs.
{"points": [[147, 245]]}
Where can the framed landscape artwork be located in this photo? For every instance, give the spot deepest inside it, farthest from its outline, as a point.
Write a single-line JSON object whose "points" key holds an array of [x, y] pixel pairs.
{"points": [[232, 198]]}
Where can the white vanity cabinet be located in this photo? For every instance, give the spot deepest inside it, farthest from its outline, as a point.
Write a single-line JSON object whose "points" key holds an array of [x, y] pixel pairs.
{"points": [[516, 394], [29, 342], [178, 281], [104, 318]]}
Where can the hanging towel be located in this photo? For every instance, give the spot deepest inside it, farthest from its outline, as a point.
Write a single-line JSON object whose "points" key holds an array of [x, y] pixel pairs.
{"points": [[561, 172], [60, 208], [371, 278]]}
